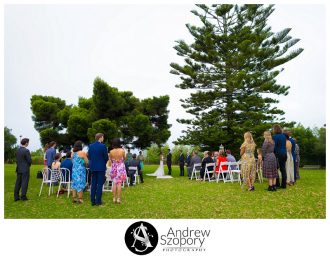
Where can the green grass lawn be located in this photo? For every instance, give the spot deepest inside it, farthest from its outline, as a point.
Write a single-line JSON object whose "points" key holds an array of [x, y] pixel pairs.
{"points": [[176, 198]]}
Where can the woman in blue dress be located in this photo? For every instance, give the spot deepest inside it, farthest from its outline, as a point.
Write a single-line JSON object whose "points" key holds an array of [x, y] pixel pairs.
{"points": [[80, 161]]}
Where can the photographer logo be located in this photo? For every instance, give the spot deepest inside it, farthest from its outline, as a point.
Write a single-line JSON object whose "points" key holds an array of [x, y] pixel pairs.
{"points": [[141, 238]]}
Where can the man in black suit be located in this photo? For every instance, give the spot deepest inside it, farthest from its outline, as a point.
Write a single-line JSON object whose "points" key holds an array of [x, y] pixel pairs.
{"points": [[188, 159], [134, 163], [181, 163], [169, 162], [23, 161], [206, 160]]}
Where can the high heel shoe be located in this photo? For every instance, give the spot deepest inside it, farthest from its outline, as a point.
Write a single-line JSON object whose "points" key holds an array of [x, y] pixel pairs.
{"points": [[114, 200], [118, 200]]}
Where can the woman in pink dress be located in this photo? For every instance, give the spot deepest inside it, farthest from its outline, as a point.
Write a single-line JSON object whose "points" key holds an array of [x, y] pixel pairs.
{"points": [[118, 171]]}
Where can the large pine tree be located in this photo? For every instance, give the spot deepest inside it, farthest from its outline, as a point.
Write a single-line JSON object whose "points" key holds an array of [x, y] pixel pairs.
{"points": [[232, 66]]}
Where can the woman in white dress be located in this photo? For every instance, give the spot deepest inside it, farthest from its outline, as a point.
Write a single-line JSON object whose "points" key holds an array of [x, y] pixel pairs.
{"points": [[159, 173], [289, 163]]}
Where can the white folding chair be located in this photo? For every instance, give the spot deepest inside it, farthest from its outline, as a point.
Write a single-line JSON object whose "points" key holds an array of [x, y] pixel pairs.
{"points": [[222, 172], [235, 172], [196, 169], [107, 186], [208, 172], [54, 177], [259, 172], [65, 179], [127, 181], [136, 174]]}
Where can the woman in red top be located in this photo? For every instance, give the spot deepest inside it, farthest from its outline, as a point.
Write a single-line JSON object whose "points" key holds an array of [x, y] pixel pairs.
{"points": [[220, 159]]}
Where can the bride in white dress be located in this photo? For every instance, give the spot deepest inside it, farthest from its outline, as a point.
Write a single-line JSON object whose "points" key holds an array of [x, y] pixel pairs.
{"points": [[159, 173]]}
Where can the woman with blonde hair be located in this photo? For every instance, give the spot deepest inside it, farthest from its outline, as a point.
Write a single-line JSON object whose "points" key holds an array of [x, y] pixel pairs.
{"points": [[269, 167], [248, 161]]}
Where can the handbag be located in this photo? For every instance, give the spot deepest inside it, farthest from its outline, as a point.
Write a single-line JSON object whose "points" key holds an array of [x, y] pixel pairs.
{"points": [[39, 175]]}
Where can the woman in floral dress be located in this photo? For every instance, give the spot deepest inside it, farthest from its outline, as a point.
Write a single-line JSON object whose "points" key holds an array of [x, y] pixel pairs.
{"points": [[118, 170], [80, 161], [248, 161]]}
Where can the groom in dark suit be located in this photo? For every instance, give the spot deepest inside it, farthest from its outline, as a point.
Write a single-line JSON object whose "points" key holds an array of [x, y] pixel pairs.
{"points": [[181, 163], [23, 160], [169, 162], [98, 157]]}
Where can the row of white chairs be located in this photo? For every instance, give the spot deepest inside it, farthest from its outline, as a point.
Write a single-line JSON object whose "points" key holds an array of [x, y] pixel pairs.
{"points": [[62, 177], [51, 177], [230, 174]]}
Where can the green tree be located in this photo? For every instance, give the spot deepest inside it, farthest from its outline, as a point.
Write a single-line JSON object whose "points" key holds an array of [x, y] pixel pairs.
{"points": [[153, 154], [156, 109], [105, 126], [10, 145], [48, 135], [110, 111], [231, 69], [320, 146], [306, 138], [46, 111]]}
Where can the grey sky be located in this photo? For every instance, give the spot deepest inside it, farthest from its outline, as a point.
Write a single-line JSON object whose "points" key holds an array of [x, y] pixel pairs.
{"points": [[58, 50]]}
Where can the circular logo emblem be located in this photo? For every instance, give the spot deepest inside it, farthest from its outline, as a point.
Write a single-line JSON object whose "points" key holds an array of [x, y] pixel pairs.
{"points": [[141, 238]]}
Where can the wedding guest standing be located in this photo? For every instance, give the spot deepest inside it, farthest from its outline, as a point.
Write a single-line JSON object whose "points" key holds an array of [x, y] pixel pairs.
{"points": [[80, 162], [118, 171], [289, 165], [297, 160], [129, 155], [248, 161], [188, 159], [269, 162], [45, 150], [293, 151], [50, 155], [23, 162], [181, 163], [169, 162], [98, 157], [141, 160], [280, 153]]}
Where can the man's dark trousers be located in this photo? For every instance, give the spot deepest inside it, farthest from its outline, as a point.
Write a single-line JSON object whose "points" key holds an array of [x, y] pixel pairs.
{"points": [[22, 182], [281, 162], [181, 169], [97, 187], [169, 166], [131, 177]]}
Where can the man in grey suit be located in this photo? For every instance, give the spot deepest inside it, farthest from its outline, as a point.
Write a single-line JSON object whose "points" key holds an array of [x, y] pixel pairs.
{"points": [[194, 160], [23, 161]]}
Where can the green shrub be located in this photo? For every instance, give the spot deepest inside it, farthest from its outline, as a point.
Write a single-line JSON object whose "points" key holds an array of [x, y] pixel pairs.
{"points": [[37, 160]]}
